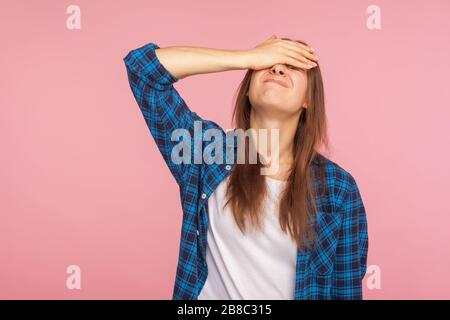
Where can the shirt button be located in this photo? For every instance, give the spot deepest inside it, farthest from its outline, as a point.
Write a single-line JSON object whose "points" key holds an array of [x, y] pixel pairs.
{"points": [[198, 233], [203, 195], [228, 167]]}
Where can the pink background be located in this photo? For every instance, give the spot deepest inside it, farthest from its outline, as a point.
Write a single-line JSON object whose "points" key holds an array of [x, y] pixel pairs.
{"points": [[82, 182]]}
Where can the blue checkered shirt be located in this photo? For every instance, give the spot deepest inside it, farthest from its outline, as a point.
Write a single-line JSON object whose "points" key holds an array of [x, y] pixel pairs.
{"points": [[334, 269]]}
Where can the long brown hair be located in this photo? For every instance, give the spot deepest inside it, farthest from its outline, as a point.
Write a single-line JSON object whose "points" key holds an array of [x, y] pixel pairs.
{"points": [[246, 189]]}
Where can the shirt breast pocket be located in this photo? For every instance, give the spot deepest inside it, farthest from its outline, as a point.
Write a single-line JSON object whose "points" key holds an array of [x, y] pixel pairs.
{"points": [[323, 254]]}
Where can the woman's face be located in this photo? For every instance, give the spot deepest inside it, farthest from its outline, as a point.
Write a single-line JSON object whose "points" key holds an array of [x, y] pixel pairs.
{"points": [[287, 96]]}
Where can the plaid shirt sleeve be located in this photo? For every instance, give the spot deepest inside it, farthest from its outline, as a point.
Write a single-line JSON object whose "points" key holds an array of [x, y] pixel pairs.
{"points": [[163, 108], [351, 252]]}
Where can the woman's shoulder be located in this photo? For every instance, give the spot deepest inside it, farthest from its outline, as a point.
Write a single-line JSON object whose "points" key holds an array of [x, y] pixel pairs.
{"points": [[339, 180], [333, 169]]}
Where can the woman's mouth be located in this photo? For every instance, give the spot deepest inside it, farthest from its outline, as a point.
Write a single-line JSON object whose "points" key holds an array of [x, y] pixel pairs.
{"points": [[281, 83]]}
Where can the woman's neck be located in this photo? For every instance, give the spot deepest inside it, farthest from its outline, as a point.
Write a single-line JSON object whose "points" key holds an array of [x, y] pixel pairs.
{"points": [[287, 128]]}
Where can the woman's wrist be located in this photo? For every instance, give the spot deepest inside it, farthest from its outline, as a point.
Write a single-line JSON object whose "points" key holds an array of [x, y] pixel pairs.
{"points": [[242, 60]]}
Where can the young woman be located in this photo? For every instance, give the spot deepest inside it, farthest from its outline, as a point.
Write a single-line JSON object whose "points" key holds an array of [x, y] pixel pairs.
{"points": [[297, 233]]}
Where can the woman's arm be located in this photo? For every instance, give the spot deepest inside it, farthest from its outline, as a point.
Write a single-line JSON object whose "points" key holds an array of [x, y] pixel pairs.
{"points": [[163, 108], [184, 61]]}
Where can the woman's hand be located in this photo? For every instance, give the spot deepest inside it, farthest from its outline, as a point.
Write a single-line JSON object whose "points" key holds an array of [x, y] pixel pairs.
{"points": [[275, 50]]}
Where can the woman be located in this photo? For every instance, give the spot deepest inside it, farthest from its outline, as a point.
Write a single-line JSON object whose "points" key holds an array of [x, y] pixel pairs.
{"points": [[299, 232]]}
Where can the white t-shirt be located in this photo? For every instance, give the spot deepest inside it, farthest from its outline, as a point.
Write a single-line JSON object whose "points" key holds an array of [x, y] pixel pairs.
{"points": [[255, 265]]}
